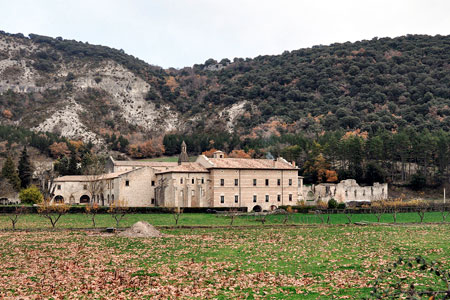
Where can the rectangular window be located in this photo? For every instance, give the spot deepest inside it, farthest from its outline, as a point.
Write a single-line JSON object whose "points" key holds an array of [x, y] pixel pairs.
{"points": [[127, 183], [236, 182], [290, 181], [267, 182], [59, 186], [222, 182], [112, 197], [290, 197], [153, 183], [222, 199], [193, 180], [181, 180], [267, 198], [278, 197], [254, 182], [153, 200], [278, 182], [203, 180], [255, 198], [85, 187], [236, 198]]}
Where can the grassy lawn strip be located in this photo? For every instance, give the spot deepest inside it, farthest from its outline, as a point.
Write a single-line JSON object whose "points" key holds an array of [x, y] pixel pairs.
{"points": [[31, 221]]}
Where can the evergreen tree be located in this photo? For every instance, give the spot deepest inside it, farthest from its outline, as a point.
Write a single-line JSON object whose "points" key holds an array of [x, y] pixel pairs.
{"points": [[73, 164], [25, 169], [9, 172]]}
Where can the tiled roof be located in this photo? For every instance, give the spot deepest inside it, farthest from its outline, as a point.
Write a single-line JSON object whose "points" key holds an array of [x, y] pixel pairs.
{"points": [[82, 178], [139, 163], [188, 167], [247, 163]]}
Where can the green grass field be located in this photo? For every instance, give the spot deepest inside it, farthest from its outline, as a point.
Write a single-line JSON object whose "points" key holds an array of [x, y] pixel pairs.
{"points": [[32, 221], [320, 262]]}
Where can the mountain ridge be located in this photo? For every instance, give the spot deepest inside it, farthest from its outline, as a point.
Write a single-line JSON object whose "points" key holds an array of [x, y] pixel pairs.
{"points": [[93, 92]]}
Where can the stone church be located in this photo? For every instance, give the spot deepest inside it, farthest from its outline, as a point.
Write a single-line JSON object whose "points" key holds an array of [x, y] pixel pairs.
{"points": [[258, 184]]}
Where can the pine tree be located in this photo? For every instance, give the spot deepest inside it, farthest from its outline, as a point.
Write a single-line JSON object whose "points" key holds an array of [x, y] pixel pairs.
{"points": [[9, 172], [25, 169], [73, 164]]}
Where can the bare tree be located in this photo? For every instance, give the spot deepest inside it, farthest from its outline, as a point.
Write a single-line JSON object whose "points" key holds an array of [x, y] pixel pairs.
{"points": [[444, 209], [287, 214], [118, 211], [6, 189], [94, 173], [46, 184], [378, 208], [14, 217], [91, 210], [44, 173], [262, 218], [421, 209], [176, 213], [349, 215], [319, 214], [52, 211]]}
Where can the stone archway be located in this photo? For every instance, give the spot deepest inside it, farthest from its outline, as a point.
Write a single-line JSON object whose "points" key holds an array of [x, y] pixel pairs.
{"points": [[257, 208], [84, 199], [273, 207], [58, 199]]}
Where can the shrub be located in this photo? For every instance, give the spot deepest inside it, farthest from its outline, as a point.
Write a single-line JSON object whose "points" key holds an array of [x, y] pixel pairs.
{"points": [[418, 181], [321, 205], [341, 206], [31, 195], [332, 204]]}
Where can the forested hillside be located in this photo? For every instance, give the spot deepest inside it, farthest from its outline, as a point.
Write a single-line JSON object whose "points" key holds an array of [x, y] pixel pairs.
{"points": [[372, 110]]}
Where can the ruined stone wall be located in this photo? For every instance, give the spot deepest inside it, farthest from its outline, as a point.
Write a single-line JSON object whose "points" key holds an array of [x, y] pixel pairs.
{"points": [[345, 191]]}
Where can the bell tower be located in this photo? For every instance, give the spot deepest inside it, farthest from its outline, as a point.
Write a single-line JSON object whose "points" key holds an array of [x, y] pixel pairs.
{"points": [[183, 155]]}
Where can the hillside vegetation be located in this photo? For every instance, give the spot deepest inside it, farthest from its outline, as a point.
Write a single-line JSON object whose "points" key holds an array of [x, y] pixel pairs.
{"points": [[373, 110]]}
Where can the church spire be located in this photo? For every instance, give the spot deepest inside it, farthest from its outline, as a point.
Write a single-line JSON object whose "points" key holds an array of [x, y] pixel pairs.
{"points": [[183, 155]]}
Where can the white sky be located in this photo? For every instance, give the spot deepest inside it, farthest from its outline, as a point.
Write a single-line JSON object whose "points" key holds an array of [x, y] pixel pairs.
{"points": [[178, 33]]}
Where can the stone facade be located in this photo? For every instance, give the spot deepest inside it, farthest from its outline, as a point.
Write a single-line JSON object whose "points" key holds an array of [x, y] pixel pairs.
{"points": [[260, 184], [343, 192]]}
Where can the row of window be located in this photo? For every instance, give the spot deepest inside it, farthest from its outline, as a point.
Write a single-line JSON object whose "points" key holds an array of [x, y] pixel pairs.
{"points": [[255, 182], [108, 185], [255, 198], [101, 197], [202, 180], [363, 193]]}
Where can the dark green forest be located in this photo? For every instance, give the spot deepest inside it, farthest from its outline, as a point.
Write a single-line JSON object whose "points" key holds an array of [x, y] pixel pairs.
{"points": [[374, 84]]}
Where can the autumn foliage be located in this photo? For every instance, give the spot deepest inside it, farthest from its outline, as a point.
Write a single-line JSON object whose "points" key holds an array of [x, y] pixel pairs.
{"points": [[59, 149], [150, 148], [209, 153], [239, 154]]}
